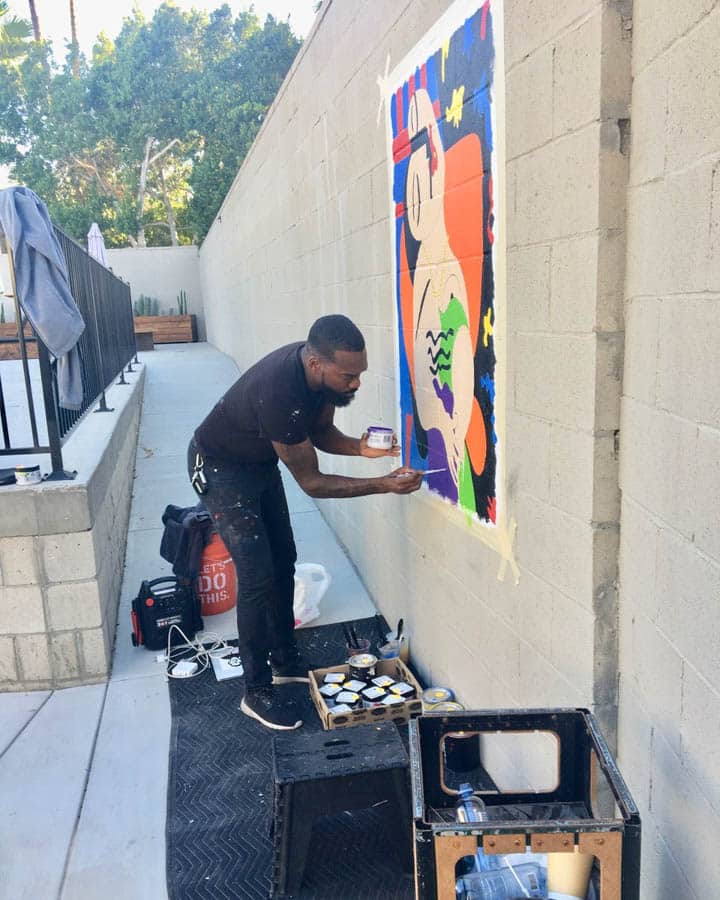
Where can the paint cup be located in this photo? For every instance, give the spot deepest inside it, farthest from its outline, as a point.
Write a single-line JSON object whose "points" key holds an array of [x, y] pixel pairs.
{"points": [[379, 438], [362, 645], [569, 874], [27, 475], [404, 645], [391, 650]]}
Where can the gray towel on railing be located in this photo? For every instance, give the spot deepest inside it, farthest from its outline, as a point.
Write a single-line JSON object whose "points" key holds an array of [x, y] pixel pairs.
{"points": [[41, 278]]}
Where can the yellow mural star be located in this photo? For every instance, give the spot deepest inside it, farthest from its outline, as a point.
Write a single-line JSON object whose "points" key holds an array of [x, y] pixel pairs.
{"points": [[487, 327], [445, 54], [454, 112]]}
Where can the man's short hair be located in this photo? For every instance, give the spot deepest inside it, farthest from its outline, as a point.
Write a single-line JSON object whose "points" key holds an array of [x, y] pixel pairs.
{"points": [[331, 333]]}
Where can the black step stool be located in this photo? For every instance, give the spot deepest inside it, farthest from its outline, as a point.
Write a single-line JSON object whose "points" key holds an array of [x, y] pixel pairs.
{"points": [[323, 773]]}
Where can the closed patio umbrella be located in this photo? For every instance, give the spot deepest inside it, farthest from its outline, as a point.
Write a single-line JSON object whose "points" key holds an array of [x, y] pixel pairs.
{"points": [[96, 244]]}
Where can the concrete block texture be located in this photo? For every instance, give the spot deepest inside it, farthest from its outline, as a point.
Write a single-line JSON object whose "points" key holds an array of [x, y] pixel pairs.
{"points": [[657, 24], [688, 336], [33, 656], [530, 102], [68, 557], [669, 232], [8, 662], [74, 605], [18, 561], [576, 55], [21, 610], [693, 119]]}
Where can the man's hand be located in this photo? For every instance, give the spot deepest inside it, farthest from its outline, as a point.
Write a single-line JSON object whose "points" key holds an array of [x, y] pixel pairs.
{"points": [[402, 481], [374, 453]]}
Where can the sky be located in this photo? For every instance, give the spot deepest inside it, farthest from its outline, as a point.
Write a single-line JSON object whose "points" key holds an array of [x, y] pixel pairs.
{"points": [[94, 16]]}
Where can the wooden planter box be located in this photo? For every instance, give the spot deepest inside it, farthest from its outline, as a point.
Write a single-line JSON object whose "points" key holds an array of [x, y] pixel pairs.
{"points": [[9, 345], [169, 329]]}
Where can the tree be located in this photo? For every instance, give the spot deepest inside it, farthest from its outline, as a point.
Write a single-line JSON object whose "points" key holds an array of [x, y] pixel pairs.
{"points": [[146, 136]]}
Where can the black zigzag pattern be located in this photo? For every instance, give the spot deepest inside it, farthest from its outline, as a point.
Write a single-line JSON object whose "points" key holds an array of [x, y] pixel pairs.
{"points": [[220, 799]]}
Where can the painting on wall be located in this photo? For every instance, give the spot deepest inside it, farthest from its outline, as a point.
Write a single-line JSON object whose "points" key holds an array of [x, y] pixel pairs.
{"points": [[442, 131]]}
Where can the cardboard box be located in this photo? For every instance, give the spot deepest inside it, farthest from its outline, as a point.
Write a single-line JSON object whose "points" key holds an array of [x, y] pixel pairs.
{"points": [[398, 714]]}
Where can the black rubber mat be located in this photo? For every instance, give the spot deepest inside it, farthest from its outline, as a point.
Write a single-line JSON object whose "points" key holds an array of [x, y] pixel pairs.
{"points": [[220, 799]]}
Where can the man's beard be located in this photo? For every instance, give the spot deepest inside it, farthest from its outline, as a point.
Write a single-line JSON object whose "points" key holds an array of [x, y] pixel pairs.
{"points": [[337, 399]]}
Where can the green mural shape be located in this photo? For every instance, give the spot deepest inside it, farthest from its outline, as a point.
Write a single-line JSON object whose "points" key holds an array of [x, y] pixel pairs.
{"points": [[452, 319]]}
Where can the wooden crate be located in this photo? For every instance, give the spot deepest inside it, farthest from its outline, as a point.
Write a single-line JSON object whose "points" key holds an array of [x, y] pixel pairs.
{"points": [[398, 714], [168, 329]]}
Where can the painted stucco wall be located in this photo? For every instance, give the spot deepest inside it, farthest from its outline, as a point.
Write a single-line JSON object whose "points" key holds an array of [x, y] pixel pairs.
{"points": [[669, 725], [162, 272], [309, 221]]}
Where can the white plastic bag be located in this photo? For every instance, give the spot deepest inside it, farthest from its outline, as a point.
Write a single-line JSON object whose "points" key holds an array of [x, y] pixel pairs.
{"points": [[311, 582]]}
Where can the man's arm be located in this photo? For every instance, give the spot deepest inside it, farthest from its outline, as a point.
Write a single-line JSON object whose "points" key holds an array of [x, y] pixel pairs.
{"points": [[302, 461], [326, 436]]}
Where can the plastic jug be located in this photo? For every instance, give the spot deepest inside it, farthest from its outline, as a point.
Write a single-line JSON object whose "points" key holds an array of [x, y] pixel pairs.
{"points": [[506, 883], [311, 582], [469, 808]]}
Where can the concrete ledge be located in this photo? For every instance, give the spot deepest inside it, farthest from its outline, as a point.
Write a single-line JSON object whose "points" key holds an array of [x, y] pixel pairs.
{"points": [[62, 552]]}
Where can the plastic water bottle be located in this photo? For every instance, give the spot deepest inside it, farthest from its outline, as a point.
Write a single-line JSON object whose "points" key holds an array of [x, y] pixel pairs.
{"points": [[506, 883], [469, 807]]}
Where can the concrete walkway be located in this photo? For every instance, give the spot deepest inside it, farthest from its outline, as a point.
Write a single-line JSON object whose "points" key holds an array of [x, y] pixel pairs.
{"points": [[83, 772]]}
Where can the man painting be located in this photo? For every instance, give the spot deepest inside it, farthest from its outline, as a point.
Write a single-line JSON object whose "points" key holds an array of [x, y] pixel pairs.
{"points": [[282, 408]]}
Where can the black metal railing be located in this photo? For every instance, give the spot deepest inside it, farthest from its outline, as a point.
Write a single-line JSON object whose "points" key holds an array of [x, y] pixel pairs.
{"points": [[106, 347]]}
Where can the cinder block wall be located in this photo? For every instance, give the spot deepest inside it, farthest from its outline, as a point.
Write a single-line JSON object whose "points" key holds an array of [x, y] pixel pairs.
{"points": [[669, 726], [308, 219], [308, 223], [62, 552]]}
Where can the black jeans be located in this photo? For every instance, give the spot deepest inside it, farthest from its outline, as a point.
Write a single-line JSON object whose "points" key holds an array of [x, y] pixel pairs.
{"points": [[249, 509]]}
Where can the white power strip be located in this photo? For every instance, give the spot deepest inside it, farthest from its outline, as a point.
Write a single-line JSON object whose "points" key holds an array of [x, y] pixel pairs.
{"points": [[227, 667]]}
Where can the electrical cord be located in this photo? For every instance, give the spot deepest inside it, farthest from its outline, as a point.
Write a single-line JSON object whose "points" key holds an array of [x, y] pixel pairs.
{"points": [[198, 651]]}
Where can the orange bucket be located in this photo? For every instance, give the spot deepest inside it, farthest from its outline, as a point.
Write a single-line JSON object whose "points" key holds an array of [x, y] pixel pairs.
{"points": [[216, 584]]}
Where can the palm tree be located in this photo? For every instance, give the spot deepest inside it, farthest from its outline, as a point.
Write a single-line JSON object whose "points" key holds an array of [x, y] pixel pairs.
{"points": [[35, 21], [14, 33], [74, 46]]}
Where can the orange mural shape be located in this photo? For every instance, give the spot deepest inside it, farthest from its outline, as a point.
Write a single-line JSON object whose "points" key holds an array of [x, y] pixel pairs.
{"points": [[463, 206], [476, 438]]}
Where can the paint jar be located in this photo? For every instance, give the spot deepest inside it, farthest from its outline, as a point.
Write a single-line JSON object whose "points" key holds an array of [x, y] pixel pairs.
{"points": [[452, 706], [354, 684], [350, 698], [330, 691], [392, 700], [391, 650], [362, 666], [27, 475], [404, 690], [373, 695], [334, 678], [383, 681], [341, 709], [379, 438], [434, 695]]}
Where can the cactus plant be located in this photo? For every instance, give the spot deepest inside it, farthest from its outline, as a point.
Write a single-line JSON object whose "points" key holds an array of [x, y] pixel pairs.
{"points": [[182, 303], [147, 306], [2, 313]]}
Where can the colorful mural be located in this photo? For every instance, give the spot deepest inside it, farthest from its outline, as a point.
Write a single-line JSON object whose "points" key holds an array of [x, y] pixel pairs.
{"points": [[442, 125]]}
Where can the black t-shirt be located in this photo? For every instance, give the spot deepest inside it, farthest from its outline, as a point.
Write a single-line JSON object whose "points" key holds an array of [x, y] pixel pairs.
{"points": [[269, 402]]}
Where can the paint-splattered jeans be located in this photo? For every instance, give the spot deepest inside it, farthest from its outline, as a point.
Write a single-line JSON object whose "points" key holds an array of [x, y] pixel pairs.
{"points": [[249, 508]]}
